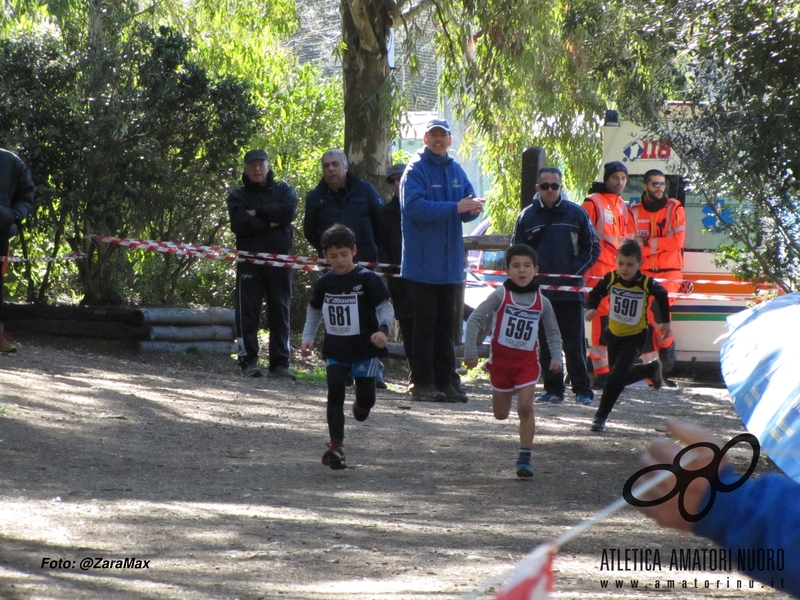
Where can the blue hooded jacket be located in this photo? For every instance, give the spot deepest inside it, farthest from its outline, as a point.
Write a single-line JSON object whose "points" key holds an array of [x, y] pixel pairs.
{"points": [[433, 244]]}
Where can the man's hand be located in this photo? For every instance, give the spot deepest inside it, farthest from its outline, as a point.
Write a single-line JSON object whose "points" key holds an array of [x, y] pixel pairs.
{"points": [[470, 363], [665, 329], [663, 451], [555, 366], [470, 204], [379, 339], [590, 314], [306, 348]]}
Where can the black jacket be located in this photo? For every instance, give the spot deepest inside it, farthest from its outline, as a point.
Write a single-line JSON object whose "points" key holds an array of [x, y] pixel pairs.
{"points": [[390, 250], [16, 193], [390, 244], [273, 202], [565, 241], [359, 210]]}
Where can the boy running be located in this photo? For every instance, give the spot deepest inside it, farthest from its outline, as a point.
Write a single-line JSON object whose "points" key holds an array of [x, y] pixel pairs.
{"points": [[354, 304], [516, 310], [629, 292]]}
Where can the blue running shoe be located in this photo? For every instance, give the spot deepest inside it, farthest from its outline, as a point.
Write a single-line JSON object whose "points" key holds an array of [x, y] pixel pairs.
{"points": [[524, 468], [585, 400], [551, 398]]}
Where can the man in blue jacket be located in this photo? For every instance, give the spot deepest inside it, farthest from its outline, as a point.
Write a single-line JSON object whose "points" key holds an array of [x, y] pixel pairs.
{"points": [[341, 197], [566, 243], [435, 199], [16, 203]]}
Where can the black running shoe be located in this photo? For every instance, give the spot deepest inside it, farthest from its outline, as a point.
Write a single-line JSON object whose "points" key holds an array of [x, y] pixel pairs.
{"points": [[657, 377], [334, 457], [359, 412], [598, 425]]}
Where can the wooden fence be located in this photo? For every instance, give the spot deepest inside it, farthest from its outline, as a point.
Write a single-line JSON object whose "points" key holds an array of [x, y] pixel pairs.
{"points": [[152, 329]]}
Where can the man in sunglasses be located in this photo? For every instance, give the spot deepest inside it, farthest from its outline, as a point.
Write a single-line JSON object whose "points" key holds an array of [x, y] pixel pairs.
{"points": [[566, 244], [658, 223]]}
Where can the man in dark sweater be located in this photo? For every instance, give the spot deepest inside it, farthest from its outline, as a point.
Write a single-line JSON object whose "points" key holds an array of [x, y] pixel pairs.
{"points": [[342, 198], [262, 211]]}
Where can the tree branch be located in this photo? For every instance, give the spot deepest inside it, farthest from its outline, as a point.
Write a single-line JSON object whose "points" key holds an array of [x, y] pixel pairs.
{"points": [[402, 18], [367, 39]]}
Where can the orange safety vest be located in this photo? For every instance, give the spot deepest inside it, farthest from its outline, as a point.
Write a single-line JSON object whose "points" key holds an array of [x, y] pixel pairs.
{"points": [[609, 217], [664, 233]]}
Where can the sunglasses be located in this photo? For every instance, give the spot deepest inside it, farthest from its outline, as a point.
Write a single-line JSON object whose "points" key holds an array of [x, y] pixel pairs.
{"points": [[393, 180], [549, 186], [658, 184]]}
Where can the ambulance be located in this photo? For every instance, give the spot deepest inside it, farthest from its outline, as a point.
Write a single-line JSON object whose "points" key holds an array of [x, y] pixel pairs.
{"points": [[698, 319]]}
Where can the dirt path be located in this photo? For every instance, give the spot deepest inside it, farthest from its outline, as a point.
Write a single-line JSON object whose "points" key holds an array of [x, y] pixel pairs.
{"points": [[217, 482]]}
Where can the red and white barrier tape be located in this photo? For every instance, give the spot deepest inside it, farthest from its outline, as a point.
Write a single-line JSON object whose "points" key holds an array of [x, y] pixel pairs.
{"points": [[207, 251], [313, 263], [567, 288], [231, 255], [660, 280]]}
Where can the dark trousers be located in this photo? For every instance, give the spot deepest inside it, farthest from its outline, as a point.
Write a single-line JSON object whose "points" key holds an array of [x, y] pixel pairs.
{"points": [[433, 356], [407, 333], [569, 314], [403, 303], [622, 351], [254, 284], [4, 245], [336, 376]]}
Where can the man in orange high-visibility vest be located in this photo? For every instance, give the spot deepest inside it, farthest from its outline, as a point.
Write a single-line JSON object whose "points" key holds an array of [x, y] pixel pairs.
{"points": [[658, 223], [608, 213]]}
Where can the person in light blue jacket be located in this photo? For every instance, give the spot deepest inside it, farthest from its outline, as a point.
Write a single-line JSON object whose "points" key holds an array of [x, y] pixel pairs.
{"points": [[436, 197]]}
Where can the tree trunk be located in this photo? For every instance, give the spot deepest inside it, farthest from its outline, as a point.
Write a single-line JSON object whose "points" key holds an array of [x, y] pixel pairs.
{"points": [[367, 87]]}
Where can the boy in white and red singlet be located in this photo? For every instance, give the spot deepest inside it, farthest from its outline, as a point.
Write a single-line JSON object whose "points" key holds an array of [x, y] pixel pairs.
{"points": [[517, 310]]}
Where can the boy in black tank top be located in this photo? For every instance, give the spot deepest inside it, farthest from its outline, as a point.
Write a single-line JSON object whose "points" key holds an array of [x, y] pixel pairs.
{"points": [[629, 292], [354, 304]]}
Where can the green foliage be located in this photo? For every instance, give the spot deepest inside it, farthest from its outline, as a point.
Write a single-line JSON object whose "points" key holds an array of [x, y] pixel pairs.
{"points": [[145, 138], [740, 132], [193, 354], [316, 374], [518, 73], [139, 152]]}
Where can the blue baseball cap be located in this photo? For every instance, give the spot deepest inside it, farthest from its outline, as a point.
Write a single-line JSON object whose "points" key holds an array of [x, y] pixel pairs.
{"points": [[434, 123]]}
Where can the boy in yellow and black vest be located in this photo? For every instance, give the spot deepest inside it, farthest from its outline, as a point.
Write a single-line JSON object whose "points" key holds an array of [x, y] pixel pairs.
{"points": [[629, 292]]}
